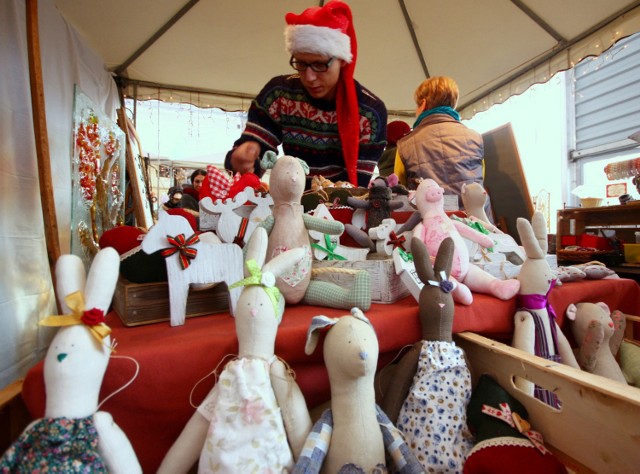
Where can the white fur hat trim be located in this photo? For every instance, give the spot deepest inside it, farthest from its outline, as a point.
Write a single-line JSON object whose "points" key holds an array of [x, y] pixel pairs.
{"points": [[318, 40]]}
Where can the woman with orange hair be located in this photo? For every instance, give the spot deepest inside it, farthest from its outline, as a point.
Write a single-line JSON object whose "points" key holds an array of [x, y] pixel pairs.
{"points": [[440, 147]]}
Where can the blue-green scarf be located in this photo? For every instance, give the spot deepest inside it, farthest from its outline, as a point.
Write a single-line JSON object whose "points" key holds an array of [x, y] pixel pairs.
{"points": [[437, 110]]}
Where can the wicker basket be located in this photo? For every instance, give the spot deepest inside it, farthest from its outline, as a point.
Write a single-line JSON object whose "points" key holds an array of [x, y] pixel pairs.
{"points": [[582, 256]]}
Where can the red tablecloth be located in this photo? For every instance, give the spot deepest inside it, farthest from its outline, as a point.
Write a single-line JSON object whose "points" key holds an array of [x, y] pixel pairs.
{"points": [[154, 408]]}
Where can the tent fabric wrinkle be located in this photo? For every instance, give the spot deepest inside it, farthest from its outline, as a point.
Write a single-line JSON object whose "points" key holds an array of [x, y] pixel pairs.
{"points": [[493, 49]]}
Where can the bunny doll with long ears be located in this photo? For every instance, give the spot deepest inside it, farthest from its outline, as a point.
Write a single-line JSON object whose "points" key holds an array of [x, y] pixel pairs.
{"points": [[255, 418], [74, 436], [535, 328], [429, 389], [288, 227], [354, 435]]}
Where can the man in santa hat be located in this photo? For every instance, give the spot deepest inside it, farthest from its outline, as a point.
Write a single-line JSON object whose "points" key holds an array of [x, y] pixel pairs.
{"points": [[320, 114]]}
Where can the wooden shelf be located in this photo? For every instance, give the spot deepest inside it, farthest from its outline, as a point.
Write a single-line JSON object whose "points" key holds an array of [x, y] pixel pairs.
{"points": [[624, 219]]}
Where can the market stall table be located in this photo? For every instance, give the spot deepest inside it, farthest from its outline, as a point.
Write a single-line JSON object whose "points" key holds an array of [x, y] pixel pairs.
{"points": [[176, 363]]}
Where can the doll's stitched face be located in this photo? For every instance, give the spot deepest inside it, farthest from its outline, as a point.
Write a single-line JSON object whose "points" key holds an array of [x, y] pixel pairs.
{"points": [[351, 349], [75, 359], [288, 180]]}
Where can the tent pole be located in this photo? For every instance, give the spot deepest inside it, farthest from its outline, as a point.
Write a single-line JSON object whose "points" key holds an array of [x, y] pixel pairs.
{"points": [[52, 238]]}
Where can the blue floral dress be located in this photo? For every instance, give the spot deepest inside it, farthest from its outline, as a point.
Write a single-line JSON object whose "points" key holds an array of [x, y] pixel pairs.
{"points": [[433, 417], [62, 445]]}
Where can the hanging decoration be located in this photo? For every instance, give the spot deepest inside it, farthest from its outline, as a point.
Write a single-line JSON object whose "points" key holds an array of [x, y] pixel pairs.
{"points": [[98, 176]]}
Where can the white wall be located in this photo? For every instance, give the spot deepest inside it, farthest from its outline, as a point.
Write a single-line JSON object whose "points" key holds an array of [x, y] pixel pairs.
{"points": [[25, 282]]}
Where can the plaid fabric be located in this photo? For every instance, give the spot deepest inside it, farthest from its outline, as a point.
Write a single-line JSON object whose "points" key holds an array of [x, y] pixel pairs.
{"points": [[541, 349], [399, 457], [219, 182], [322, 293]]}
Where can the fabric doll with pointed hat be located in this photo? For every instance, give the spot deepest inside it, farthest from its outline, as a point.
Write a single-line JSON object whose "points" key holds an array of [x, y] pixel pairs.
{"points": [[535, 328], [74, 436], [505, 442], [321, 114], [354, 435], [427, 395], [288, 227], [255, 418], [436, 226]]}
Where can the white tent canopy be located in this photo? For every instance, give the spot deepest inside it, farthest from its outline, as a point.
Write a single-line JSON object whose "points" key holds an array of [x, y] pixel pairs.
{"points": [[493, 48]]}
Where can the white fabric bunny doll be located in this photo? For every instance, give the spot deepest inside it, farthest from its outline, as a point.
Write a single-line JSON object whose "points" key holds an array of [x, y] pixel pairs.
{"points": [[74, 436], [255, 418]]}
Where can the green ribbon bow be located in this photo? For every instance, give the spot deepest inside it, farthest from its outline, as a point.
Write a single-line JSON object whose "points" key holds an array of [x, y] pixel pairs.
{"points": [[266, 280], [406, 256], [330, 249]]}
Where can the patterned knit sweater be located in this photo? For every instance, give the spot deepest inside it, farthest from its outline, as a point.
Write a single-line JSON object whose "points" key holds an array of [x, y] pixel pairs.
{"points": [[284, 113]]}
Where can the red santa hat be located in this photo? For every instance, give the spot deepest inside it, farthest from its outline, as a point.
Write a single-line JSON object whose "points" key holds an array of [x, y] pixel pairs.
{"points": [[328, 30]]}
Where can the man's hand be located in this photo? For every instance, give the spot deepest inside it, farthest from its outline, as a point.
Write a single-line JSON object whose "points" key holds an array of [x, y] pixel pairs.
{"points": [[244, 157]]}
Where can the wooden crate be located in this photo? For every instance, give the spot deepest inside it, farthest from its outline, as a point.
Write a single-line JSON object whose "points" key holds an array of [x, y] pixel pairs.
{"points": [[386, 286], [147, 303], [597, 428]]}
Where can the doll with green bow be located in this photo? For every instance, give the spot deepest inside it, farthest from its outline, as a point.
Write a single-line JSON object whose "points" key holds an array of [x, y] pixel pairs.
{"points": [[255, 418]]}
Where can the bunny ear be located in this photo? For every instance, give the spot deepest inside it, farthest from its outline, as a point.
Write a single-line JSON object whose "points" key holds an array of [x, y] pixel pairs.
{"points": [[540, 231], [317, 323], [285, 261], [257, 247], [102, 279], [444, 259], [528, 236], [358, 314], [422, 260], [305, 166], [70, 277]]}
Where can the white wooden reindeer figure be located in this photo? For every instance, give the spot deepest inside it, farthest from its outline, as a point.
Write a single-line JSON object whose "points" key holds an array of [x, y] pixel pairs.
{"points": [[236, 221], [191, 260]]}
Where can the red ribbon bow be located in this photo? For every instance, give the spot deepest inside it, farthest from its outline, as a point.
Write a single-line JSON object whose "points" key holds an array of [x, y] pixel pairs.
{"points": [[396, 241], [515, 421], [181, 245]]}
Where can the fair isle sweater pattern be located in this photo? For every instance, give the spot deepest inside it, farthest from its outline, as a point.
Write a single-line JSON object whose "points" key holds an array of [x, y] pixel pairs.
{"points": [[283, 113]]}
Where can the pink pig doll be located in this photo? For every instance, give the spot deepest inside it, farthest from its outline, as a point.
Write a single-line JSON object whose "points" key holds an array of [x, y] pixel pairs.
{"points": [[436, 226]]}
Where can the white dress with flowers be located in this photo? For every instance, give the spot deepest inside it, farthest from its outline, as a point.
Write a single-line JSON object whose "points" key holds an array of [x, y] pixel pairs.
{"points": [[246, 431]]}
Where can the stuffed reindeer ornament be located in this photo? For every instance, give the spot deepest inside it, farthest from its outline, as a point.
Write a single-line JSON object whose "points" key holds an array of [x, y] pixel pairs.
{"points": [[535, 328], [74, 436], [427, 394], [354, 435], [255, 419], [288, 227]]}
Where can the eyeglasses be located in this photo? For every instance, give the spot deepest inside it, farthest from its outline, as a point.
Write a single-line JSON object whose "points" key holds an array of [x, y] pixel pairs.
{"points": [[317, 67]]}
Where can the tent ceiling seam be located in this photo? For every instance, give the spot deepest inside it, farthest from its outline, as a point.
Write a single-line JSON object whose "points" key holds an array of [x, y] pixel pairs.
{"points": [[543, 24], [147, 44], [412, 32]]}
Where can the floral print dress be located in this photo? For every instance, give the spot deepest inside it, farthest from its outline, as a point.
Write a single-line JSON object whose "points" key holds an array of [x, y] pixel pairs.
{"points": [[433, 416], [55, 445], [246, 430]]}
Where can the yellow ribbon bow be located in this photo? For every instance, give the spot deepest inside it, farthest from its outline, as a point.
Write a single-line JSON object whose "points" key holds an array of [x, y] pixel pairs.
{"points": [[266, 280], [92, 318]]}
